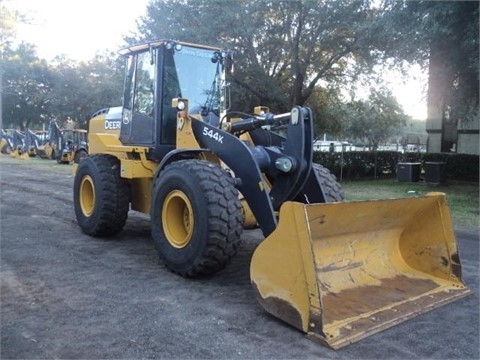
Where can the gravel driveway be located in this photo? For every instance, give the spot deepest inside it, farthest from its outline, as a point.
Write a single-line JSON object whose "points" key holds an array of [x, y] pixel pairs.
{"points": [[65, 295]]}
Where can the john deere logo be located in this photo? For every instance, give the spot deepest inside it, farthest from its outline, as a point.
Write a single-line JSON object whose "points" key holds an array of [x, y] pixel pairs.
{"points": [[112, 125]]}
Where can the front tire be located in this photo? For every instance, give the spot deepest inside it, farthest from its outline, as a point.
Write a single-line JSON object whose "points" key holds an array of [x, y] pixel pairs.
{"points": [[196, 217], [101, 197]]}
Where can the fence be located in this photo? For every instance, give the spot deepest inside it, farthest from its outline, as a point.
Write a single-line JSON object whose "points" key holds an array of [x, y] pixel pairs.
{"points": [[362, 163]]}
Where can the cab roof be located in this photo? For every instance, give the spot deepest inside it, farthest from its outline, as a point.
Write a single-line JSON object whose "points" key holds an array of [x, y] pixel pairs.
{"points": [[156, 43]]}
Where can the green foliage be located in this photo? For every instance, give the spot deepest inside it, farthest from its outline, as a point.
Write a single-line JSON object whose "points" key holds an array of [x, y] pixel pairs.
{"points": [[287, 52], [9, 19], [358, 164], [369, 164], [25, 87], [374, 119], [80, 89], [446, 34], [327, 108], [458, 166], [34, 91], [284, 48]]}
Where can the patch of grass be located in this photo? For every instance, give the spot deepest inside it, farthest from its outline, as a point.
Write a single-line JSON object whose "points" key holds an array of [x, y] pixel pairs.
{"points": [[39, 163], [463, 198]]}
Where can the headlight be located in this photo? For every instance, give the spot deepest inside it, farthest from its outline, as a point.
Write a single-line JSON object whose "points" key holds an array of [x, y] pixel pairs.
{"points": [[181, 105]]}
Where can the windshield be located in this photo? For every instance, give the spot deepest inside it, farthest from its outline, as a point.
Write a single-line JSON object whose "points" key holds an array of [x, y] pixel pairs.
{"points": [[192, 75]]}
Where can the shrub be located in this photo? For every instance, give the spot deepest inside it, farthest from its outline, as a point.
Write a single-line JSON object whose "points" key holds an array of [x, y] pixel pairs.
{"points": [[458, 166], [368, 164]]}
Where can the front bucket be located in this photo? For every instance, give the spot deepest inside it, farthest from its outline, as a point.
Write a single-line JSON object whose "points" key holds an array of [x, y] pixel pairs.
{"points": [[19, 155], [343, 271]]}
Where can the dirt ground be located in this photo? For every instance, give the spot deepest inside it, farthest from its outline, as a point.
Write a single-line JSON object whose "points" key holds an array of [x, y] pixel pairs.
{"points": [[65, 295]]}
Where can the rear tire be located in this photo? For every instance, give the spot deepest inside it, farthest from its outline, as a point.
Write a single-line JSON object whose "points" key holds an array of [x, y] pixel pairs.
{"points": [[196, 217], [328, 181], [101, 197], [79, 155]]}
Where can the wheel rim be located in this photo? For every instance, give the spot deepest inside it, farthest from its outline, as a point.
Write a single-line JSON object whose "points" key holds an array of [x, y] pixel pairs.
{"points": [[177, 219], [87, 195]]}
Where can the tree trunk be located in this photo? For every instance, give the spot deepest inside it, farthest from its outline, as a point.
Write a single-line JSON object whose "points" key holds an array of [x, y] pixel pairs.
{"points": [[441, 128]]}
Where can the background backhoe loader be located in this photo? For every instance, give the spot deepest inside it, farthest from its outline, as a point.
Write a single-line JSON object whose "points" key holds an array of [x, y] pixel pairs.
{"points": [[49, 150], [64, 145], [19, 146], [72, 146], [339, 271], [32, 143], [6, 142]]}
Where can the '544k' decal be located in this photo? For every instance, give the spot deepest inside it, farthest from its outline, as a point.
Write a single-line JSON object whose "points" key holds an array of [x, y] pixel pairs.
{"points": [[213, 135]]}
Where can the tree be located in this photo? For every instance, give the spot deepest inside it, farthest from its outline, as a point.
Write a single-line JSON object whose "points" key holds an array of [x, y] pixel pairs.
{"points": [[453, 93], [102, 84], [34, 92], [26, 86], [327, 107], [81, 88], [8, 22], [373, 120], [443, 35], [284, 48]]}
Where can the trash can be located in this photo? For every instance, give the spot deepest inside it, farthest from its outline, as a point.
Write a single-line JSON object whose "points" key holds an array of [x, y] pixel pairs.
{"points": [[435, 173], [408, 172]]}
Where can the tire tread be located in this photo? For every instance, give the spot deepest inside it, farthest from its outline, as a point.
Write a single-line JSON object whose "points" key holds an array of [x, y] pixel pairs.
{"points": [[224, 217], [113, 198]]}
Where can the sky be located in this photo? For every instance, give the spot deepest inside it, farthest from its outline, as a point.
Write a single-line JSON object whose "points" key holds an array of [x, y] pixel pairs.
{"points": [[81, 28], [77, 28], [410, 92]]}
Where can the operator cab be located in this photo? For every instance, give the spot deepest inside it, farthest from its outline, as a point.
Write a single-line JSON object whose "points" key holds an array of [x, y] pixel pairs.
{"points": [[156, 73]]}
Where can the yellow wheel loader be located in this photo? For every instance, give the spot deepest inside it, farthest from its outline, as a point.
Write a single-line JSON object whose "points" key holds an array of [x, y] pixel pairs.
{"points": [[338, 271]]}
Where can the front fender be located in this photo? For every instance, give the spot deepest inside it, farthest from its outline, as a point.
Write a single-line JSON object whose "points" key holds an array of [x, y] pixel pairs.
{"points": [[176, 155]]}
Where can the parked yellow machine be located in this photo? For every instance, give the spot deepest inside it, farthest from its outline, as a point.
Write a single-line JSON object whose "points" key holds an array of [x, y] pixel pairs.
{"points": [[19, 149], [72, 146], [64, 145], [50, 147], [6, 141], [4, 148], [339, 271]]}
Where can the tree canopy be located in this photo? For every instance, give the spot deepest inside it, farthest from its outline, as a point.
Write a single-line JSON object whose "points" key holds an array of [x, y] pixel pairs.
{"points": [[285, 49], [35, 92], [373, 120], [442, 35], [25, 87], [287, 52], [300, 52]]}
